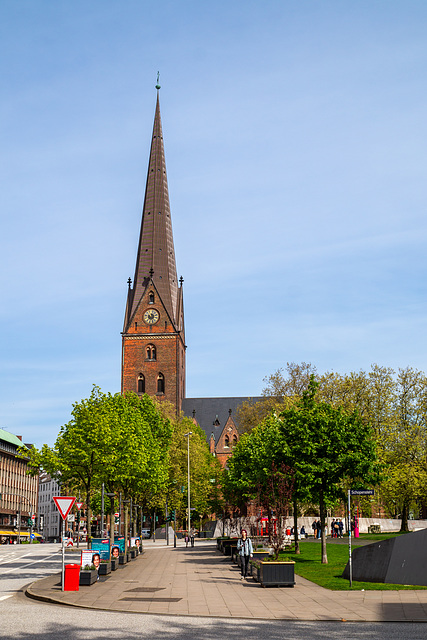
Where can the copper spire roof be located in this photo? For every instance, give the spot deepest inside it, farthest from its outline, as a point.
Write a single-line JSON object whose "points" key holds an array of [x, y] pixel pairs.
{"points": [[156, 254]]}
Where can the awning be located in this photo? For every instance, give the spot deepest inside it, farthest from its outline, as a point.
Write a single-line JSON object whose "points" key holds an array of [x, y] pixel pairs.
{"points": [[15, 533]]}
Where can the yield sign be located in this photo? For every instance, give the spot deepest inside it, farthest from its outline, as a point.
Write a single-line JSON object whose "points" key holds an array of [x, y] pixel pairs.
{"points": [[79, 505], [64, 504]]}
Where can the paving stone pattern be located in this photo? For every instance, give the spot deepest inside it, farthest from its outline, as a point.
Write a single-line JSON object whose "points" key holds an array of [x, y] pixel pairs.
{"points": [[202, 582]]}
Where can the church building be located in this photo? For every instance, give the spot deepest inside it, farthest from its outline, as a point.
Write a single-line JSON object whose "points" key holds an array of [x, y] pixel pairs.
{"points": [[153, 337]]}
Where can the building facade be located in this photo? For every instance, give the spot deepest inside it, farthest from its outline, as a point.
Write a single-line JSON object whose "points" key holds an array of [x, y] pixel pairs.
{"points": [[18, 490], [49, 520]]}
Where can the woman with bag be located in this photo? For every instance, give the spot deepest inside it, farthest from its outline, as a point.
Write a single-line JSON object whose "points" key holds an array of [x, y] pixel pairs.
{"points": [[245, 549]]}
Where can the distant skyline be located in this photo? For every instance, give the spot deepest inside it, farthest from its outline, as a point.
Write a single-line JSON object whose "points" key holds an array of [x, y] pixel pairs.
{"points": [[294, 137]]}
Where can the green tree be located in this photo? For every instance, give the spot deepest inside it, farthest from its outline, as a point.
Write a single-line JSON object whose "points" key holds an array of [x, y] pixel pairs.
{"points": [[120, 440]]}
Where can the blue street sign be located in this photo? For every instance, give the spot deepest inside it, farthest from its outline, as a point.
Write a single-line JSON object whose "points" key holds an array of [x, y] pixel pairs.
{"points": [[32, 536]]}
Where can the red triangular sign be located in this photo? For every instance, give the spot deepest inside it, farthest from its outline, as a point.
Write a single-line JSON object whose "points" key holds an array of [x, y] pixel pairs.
{"points": [[64, 504], [79, 505]]}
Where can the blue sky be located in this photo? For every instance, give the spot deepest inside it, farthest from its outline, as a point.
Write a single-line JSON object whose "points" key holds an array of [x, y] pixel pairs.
{"points": [[295, 148]]}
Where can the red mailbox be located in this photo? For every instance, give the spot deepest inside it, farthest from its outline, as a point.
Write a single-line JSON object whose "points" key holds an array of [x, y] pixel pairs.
{"points": [[71, 578]]}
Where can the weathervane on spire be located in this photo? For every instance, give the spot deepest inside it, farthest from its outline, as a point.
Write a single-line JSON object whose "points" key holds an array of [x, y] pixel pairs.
{"points": [[158, 78]]}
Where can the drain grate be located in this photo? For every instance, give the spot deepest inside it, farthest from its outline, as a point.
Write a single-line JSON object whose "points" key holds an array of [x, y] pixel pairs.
{"points": [[151, 599], [145, 589]]}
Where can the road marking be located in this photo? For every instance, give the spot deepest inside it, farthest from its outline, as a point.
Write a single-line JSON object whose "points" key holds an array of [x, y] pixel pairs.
{"points": [[6, 597], [22, 566]]}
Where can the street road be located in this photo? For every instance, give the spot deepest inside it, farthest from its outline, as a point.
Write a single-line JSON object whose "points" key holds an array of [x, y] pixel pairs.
{"points": [[25, 619]]}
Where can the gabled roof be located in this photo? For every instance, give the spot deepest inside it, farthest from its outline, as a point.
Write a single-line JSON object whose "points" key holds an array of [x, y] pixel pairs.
{"points": [[212, 413], [156, 253]]}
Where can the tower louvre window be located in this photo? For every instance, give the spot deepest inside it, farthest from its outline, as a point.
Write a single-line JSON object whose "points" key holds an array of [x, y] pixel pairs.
{"points": [[160, 383], [151, 297], [227, 442], [141, 383], [151, 352]]}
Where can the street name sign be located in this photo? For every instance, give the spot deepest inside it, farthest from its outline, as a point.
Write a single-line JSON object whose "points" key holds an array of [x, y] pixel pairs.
{"points": [[64, 504], [362, 492]]}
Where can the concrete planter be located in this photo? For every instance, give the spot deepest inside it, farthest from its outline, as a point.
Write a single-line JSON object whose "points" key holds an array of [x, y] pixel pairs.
{"points": [[133, 553], [122, 558], [104, 568], [276, 574], [114, 564], [88, 577]]}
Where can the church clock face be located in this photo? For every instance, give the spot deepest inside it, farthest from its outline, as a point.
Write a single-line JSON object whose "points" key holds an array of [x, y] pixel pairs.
{"points": [[151, 316]]}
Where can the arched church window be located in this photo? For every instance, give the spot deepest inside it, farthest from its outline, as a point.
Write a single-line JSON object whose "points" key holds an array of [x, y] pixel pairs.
{"points": [[141, 383], [151, 297], [227, 442], [160, 383], [234, 440], [151, 352]]}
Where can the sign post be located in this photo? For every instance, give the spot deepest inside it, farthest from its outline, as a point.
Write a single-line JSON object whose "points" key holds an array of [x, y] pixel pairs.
{"points": [[64, 505], [354, 492]]}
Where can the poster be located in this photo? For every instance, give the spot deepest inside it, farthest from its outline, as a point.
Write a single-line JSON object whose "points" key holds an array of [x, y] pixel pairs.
{"points": [[118, 546], [86, 557], [101, 546]]}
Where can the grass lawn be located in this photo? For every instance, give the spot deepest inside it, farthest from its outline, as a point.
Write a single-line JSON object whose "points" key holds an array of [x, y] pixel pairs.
{"points": [[308, 565]]}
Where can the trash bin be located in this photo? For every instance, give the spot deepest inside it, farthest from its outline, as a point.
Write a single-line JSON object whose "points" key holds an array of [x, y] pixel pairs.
{"points": [[71, 578]]}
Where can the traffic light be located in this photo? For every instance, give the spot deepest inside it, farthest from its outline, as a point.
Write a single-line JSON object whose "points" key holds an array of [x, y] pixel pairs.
{"points": [[173, 514], [30, 522]]}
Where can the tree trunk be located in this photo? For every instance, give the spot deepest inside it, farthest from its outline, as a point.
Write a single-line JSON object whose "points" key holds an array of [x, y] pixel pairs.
{"points": [[296, 542], [323, 532], [126, 528], [88, 517], [112, 518], [404, 524]]}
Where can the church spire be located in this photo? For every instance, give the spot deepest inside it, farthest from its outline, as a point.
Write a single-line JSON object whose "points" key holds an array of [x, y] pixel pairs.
{"points": [[156, 254]]}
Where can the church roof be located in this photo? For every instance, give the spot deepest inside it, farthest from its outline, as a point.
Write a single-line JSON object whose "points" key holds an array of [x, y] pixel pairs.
{"points": [[156, 254], [212, 413]]}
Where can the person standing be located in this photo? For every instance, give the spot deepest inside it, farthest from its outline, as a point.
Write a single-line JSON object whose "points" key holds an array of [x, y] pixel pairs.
{"points": [[245, 549]]}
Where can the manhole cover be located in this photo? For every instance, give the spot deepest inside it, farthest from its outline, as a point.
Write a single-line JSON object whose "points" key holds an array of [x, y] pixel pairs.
{"points": [[151, 599]]}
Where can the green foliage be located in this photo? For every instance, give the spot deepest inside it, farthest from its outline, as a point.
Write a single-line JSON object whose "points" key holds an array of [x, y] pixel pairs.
{"points": [[325, 447], [393, 403]]}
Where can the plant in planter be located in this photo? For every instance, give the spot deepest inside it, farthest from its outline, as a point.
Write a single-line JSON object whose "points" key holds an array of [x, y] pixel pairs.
{"points": [[88, 575]]}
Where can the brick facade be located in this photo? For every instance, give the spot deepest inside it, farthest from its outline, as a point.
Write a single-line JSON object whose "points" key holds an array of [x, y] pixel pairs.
{"points": [[153, 355]]}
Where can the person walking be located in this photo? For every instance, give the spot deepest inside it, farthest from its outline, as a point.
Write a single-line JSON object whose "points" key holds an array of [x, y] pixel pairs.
{"points": [[245, 549]]}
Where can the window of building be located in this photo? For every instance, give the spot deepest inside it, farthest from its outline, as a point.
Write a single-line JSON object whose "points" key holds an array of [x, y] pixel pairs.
{"points": [[151, 352], [141, 383], [227, 442], [151, 297], [160, 383]]}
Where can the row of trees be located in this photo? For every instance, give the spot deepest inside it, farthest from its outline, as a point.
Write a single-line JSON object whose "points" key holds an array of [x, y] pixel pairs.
{"points": [[135, 447], [393, 403]]}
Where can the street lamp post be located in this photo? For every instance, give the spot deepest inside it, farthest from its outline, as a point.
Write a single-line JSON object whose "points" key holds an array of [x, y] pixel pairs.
{"points": [[187, 435]]}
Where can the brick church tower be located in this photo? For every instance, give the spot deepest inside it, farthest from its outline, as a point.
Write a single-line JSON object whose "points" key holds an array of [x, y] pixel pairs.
{"points": [[153, 343]]}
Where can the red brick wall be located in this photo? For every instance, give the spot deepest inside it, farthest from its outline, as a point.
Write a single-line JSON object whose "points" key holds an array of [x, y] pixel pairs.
{"points": [[170, 354]]}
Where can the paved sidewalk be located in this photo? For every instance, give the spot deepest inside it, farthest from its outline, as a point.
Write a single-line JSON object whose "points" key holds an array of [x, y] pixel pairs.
{"points": [[202, 582]]}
